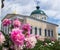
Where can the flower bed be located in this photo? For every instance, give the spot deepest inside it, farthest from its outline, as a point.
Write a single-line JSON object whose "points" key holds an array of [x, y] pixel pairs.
{"points": [[21, 39]]}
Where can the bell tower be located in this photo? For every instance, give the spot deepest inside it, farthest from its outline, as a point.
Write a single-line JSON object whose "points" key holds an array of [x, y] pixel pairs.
{"points": [[38, 13]]}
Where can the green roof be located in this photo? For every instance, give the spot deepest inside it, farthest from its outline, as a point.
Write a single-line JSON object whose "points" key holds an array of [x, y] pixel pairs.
{"points": [[38, 11]]}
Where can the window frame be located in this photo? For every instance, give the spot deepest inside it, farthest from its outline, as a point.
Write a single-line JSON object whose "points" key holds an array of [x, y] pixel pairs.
{"points": [[40, 30], [35, 30]]}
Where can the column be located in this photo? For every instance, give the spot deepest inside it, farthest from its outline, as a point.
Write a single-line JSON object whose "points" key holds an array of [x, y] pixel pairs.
{"points": [[37, 31], [50, 33], [47, 32], [33, 30]]}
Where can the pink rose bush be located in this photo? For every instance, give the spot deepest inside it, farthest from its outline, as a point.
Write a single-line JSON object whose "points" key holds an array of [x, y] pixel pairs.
{"points": [[52, 39], [21, 36], [39, 37], [6, 22], [27, 34], [2, 38], [21, 39], [16, 23], [17, 37], [30, 41], [26, 27]]}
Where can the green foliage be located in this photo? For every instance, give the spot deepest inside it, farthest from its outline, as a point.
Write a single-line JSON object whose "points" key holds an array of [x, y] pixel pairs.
{"points": [[0, 47], [7, 43], [47, 40], [40, 45], [56, 46]]}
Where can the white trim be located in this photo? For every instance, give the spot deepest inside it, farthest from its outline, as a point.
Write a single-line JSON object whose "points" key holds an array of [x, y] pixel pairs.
{"points": [[37, 31], [33, 30]]}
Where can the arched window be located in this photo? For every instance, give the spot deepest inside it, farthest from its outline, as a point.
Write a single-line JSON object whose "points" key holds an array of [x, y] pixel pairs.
{"points": [[39, 31], [35, 30], [52, 33], [31, 30], [49, 33], [45, 32]]}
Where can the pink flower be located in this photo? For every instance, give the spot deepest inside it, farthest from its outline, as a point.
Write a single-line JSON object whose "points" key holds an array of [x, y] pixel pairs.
{"points": [[2, 38], [6, 22], [17, 37], [16, 23], [52, 39], [27, 34], [30, 41], [39, 38], [26, 27]]}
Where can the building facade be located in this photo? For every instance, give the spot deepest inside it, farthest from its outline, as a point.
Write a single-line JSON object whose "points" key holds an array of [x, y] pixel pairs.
{"points": [[38, 21]]}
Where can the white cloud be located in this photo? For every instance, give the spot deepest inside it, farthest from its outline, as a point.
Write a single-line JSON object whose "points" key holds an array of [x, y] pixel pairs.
{"points": [[51, 7], [51, 13], [25, 7]]}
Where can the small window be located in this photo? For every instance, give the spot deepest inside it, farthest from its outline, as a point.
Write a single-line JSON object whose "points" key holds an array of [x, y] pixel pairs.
{"points": [[45, 32], [39, 31], [35, 30], [42, 17], [45, 18], [37, 16], [49, 33]]}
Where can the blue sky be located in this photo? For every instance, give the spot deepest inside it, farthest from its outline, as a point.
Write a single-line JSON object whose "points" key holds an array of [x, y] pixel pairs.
{"points": [[25, 7]]}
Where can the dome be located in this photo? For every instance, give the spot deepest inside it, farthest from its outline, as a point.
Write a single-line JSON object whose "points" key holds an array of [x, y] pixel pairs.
{"points": [[38, 11]]}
